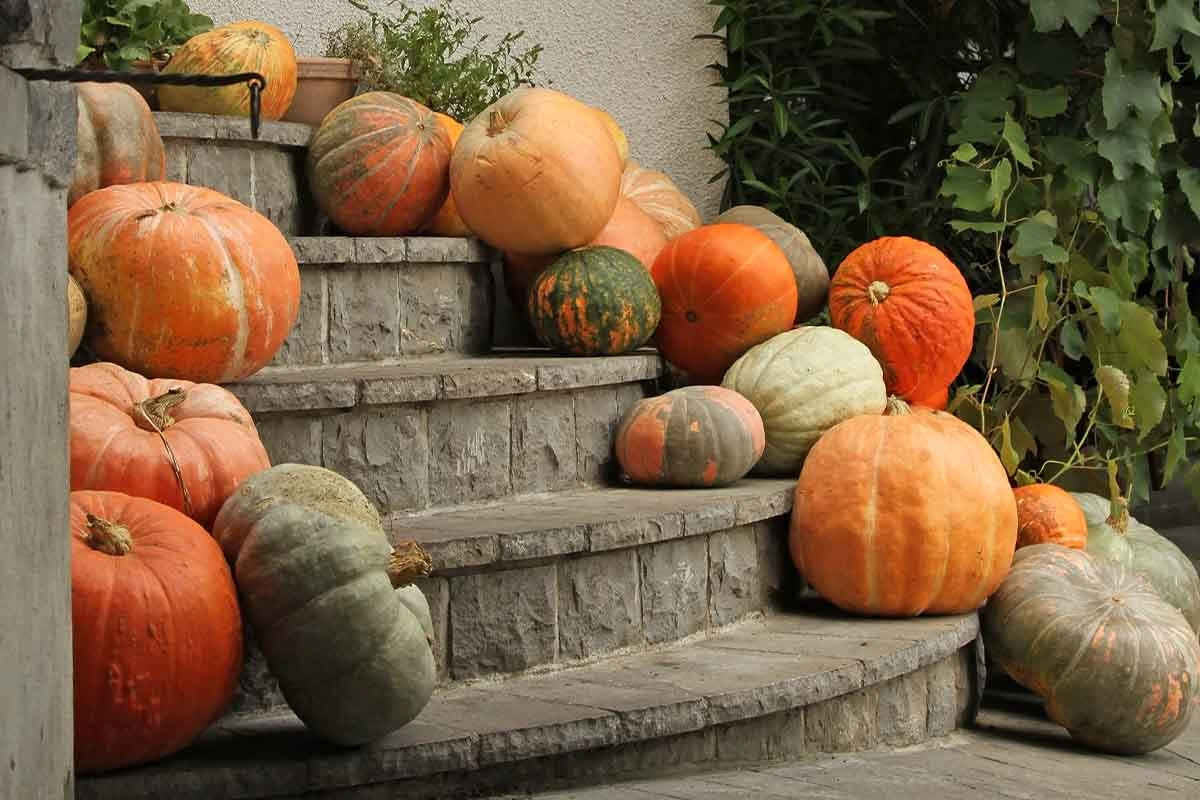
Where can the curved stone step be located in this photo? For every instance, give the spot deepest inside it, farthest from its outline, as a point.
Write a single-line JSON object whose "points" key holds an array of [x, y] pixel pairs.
{"points": [[814, 681]]}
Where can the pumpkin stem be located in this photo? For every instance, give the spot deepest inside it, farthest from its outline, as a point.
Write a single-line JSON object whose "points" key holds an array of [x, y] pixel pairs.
{"points": [[496, 123], [877, 292], [409, 561], [108, 537], [897, 407], [154, 414], [1118, 517]]}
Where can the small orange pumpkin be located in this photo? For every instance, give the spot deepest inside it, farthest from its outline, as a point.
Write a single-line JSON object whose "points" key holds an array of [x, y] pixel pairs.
{"points": [[1047, 514], [447, 222]]}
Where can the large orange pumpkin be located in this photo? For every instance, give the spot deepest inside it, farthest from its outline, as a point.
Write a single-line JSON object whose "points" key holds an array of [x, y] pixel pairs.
{"points": [[907, 302], [182, 281], [250, 46], [617, 133], [157, 635], [207, 435], [660, 198], [632, 230], [116, 139], [724, 289], [903, 514], [1047, 514], [447, 222], [536, 172]]}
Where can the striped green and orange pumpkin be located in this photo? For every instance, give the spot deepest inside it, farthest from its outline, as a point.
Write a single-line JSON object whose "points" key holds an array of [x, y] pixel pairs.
{"points": [[595, 301]]}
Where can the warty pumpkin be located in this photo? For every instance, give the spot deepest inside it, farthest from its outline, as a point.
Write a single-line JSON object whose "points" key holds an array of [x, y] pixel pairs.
{"points": [[333, 607], [76, 315], [116, 139], [155, 628], [903, 514], [657, 195], [1047, 514], [447, 222], [207, 446], [1117, 666]]}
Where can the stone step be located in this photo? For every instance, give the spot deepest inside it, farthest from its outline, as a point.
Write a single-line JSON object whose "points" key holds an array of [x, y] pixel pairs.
{"points": [[808, 682]]}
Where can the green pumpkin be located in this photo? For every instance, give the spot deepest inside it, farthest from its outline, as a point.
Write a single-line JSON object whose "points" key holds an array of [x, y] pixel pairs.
{"points": [[333, 607], [595, 301], [1142, 549]]}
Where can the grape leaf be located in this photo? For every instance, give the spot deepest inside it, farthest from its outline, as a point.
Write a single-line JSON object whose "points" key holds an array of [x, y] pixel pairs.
{"points": [[970, 187], [1049, 15], [965, 152], [1035, 238], [983, 227], [1015, 352], [1114, 385], [1071, 339], [1009, 457], [1149, 402], [1014, 136], [1172, 19], [1129, 91], [1188, 382], [1108, 305], [985, 301], [1176, 450], [1140, 338], [1045, 103], [1077, 158], [1067, 397], [1125, 147], [1189, 182], [1041, 304], [1131, 200]]}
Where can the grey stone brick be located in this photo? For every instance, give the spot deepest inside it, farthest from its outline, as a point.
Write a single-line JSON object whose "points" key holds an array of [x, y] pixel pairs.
{"points": [[177, 159], [674, 587], [291, 439], [380, 250], [364, 314], [428, 308], [768, 738], [628, 531], [903, 709], [733, 575], [264, 397], [385, 451], [257, 689], [503, 621], [778, 580], [599, 607], [488, 379], [276, 189], [942, 696], [227, 170], [437, 592], [476, 301], [308, 341], [595, 423], [543, 442], [446, 250], [469, 450], [843, 724], [322, 251]]}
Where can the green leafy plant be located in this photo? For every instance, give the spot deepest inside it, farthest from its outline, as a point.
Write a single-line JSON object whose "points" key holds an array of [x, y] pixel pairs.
{"points": [[117, 33], [434, 56]]}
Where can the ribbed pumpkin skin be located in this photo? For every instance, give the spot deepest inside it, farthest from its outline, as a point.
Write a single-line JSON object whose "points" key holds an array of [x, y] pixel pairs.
{"points": [[351, 655], [250, 46], [157, 634], [378, 165], [1117, 666], [1047, 514], [1143, 550], [803, 382], [447, 222], [694, 437], [76, 315], [116, 139], [182, 281], [907, 302], [903, 514], [724, 289], [631, 230], [657, 195], [596, 301]]}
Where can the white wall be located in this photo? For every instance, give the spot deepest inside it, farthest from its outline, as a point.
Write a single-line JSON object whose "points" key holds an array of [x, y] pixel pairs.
{"points": [[636, 58]]}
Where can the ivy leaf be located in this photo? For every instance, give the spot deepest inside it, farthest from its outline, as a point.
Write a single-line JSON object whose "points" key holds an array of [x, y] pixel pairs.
{"points": [[1049, 15], [1034, 238], [1067, 397], [1129, 90], [1140, 338], [1071, 340], [1045, 103], [1014, 135], [1172, 20], [1114, 385], [1149, 403]]}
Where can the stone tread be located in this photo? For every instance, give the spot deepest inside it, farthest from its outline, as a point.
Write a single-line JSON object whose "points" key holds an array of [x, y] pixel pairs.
{"points": [[362, 251], [587, 520], [761, 668], [178, 125]]}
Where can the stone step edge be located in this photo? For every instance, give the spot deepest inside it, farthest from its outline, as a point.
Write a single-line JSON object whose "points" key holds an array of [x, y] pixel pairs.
{"points": [[754, 672], [183, 125], [370, 251]]}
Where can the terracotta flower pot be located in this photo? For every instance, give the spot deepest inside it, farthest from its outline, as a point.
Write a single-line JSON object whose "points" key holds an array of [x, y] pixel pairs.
{"points": [[322, 84]]}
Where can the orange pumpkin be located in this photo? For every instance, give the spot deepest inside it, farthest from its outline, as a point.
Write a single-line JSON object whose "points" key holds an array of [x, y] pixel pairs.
{"points": [[911, 306], [447, 222], [156, 630], [617, 133], [903, 514], [631, 229], [660, 198], [116, 141], [536, 172], [182, 281], [520, 271], [1047, 514], [250, 46], [724, 289]]}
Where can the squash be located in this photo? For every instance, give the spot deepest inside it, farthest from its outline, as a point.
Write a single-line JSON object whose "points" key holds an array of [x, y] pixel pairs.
{"points": [[907, 302], [250, 46], [631, 230], [332, 606], [694, 437], [536, 172], [724, 288], [447, 222], [76, 315], [155, 628], [617, 133], [812, 276], [1115, 535], [116, 139], [1047, 514], [903, 514], [520, 270], [181, 281], [378, 165], [207, 446], [657, 195], [594, 301], [1117, 666], [803, 382]]}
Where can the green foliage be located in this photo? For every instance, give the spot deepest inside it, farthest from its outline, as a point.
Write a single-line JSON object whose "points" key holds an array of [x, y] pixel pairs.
{"points": [[119, 32], [432, 55]]}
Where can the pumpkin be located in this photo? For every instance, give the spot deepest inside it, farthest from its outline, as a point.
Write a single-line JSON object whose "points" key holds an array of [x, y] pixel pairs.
{"points": [[182, 281], [594, 301], [519, 272], [250, 46], [903, 514], [912, 307], [803, 382], [536, 172], [378, 165], [155, 628], [1047, 514], [1115, 535], [694, 437], [724, 288], [631, 229], [1117, 666], [812, 276], [617, 133], [76, 315], [116, 139], [660, 198], [447, 222], [207, 446], [333, 608]]}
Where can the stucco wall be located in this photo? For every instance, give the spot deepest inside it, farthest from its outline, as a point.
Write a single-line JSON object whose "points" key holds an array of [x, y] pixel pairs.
{"points": [[636, 58]]}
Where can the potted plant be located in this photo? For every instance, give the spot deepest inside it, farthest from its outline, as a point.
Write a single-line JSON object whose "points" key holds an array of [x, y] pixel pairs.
{"points": [[321, 84]]}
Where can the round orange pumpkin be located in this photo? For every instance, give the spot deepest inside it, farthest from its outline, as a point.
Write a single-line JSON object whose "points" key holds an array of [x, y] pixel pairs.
{"points": [[182, 281], [631, 229], [116, 139], [660, 198], [250, 46], [156, 630], [617, 133], [724, 289], [537, 172], [378, 165], [447, 222], [207, 435], [903, 514], [1047, 514], [911, 306]]}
